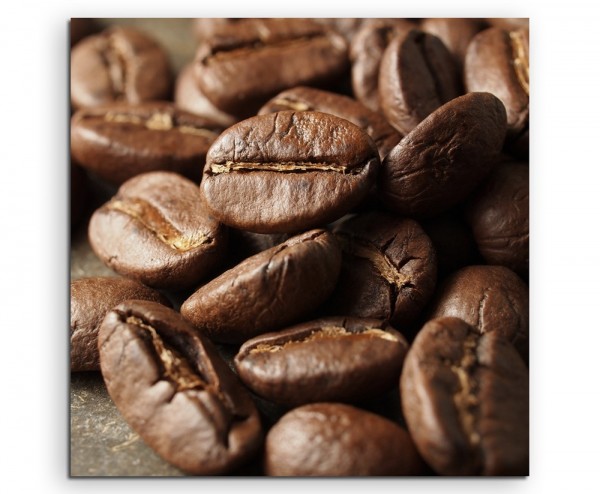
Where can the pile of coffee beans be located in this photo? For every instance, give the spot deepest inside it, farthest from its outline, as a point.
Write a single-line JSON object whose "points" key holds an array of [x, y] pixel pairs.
{"points": [[319, 232]]}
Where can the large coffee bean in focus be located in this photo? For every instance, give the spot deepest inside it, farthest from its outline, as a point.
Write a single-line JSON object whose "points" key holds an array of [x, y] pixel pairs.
{"points": [[119, 64], [157, 230], [243, 65], [329, 359], [465, 398], [91, 299], [175, 391], [331, 439], [120, 141], [489, 298], [288, 171], [445, 157], [267, 291]]}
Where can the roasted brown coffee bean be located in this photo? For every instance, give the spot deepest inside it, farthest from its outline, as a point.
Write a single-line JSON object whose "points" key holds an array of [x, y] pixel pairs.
{"points": [[331, 439], [242, 66], [204, 28], [91, 299], [366, 50], [119, 141], [497, 61], [465, 397], [329, 359], [188, 97], [288, 171], [175, 391], [268, 290], [445, 157], [510, 23], [416, 77], [310, 99], [119, 64], [388, 268], [492, 299], [156, 230], [456, 33], [499, 217]]}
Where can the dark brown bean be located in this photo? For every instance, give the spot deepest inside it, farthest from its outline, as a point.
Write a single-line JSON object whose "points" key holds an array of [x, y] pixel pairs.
{"points": [[416, 77], [331, 439], [388, 268], [267, 291], [175, 391], [499, 217], [489, 298], [120, 141], [156, 230], [329, 359], [91, 299], [288, 171], [445, 157], [310, 99], [119, 64], [465, 397], [243, 65]]}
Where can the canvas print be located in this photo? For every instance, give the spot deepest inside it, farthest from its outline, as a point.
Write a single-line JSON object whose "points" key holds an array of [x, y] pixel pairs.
{"points": [[299, 247]]}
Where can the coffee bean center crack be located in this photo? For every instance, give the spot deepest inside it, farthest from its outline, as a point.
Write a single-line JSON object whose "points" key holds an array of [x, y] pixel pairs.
{"points": [[293, 104], [153, 220], [520, 59], [160, 122], [282, 167], [174, 368]]}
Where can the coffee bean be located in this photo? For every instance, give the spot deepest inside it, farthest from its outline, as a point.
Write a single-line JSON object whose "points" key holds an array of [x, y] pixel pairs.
{"points": [[309, 99], [175, 391], [120, 141], [366, 51], [241, 66], [204, 28], [188, 97], [118, 64], [329, 359], [465, 397], [288, 171], [455, 33], [331, 439], [416, 77], [91, 299], [388, 268], [156, 230], [445, 157], [497, 61], [499, 217], [492, 299], [267, 291]]}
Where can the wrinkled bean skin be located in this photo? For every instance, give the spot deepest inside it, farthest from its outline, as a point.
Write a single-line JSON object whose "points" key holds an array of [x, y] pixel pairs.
{"points": [[175, 391], [445, 157], [329, 359], [156, 230], [267, 291], [288, 171], [465, 397], [489, 298], [331, 439]]}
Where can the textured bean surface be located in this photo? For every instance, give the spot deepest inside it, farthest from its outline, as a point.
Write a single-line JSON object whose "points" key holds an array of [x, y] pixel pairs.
{"points": [[388, 268], [489, 298], [288, 171], [91, 299], [331, 439], [157, 230], [119, 141], [329, 359], [268, 290], [175, 391], [465, 397], [445, 157]]}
